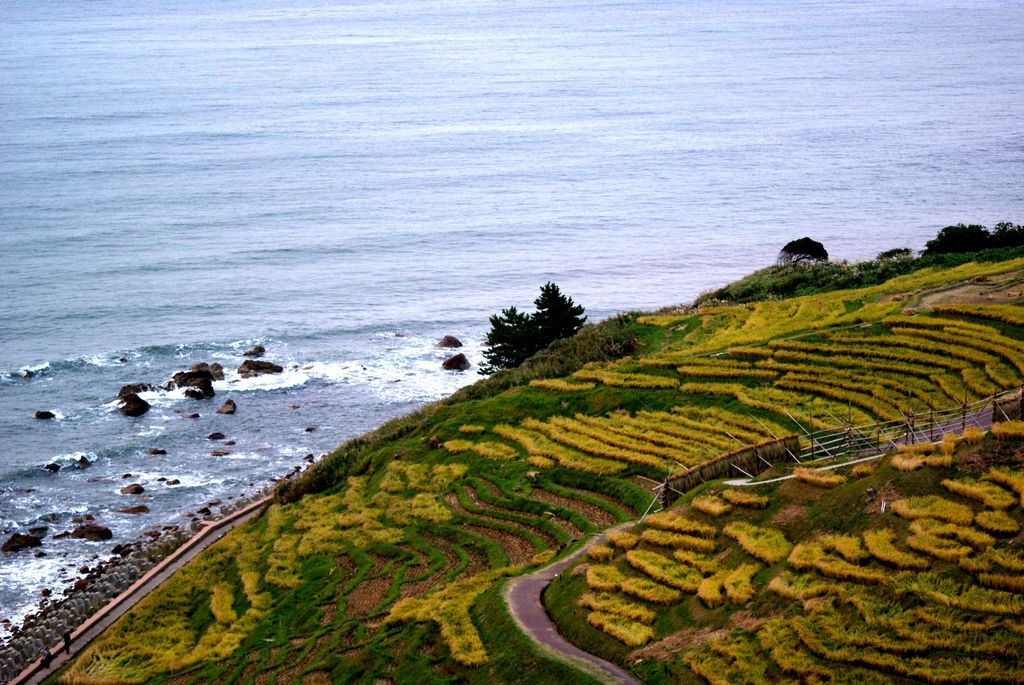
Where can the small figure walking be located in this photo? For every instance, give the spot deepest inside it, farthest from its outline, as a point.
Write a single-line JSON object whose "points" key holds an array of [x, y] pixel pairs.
{"points": [[47, 658], [67, 642]]}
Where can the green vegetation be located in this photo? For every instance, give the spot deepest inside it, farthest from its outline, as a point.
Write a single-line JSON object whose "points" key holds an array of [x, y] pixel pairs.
{"points": [[516, 336], [831, 605], [385, 559], [802, 270], [963, 238]]}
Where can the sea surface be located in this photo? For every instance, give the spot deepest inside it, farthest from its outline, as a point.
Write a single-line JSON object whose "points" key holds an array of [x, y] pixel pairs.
{"points": [[347, 182]]}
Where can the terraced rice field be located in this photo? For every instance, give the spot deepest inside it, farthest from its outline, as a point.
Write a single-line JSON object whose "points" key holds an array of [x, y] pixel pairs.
{"points": [[389, 565], [362, 575], [930, 591]]}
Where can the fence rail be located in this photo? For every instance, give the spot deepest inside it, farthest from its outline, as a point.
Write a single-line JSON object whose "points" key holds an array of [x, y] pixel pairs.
{"points": [[848, 441]]}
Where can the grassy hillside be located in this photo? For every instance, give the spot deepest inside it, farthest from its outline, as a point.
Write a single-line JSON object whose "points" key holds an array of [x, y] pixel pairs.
{"points": [[816, 580], [384, 561]]}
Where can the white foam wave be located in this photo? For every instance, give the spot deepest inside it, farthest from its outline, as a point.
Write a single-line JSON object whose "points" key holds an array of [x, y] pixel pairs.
{"points": [[408, 368], [186, 480], [242, 455], [24, 579], [291, 377], [71, 458], [152, 430], [104, 360]]}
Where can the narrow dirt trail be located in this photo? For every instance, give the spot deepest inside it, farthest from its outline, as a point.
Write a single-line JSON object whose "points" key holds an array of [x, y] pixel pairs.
{"points": [[522, 595]]}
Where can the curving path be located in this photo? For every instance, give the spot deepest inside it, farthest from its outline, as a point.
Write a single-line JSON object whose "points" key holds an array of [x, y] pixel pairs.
{"points": [[209, 533], [523, 597]]}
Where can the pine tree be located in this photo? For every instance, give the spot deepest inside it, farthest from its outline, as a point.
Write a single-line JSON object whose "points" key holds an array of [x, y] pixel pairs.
{"points": [[511, 340], [516, 336], [557, 316]]}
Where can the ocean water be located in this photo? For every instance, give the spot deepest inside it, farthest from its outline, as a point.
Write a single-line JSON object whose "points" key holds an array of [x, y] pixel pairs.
{"points": [[346, 182]]}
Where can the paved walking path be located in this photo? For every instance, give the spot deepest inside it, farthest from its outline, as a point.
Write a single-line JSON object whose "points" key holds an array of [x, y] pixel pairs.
{"points": [[523, 598], [209, 533]]}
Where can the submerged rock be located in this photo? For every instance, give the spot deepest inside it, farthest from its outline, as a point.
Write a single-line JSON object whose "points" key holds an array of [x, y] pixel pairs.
{"points": [[138, 509], [457, 363], [255, 367], [52, 467], [133, 389], [215, 436], [44, 415], [449, 341], [133, 405], [133, 489], [156, 451], [256, 351], [18, 542]]}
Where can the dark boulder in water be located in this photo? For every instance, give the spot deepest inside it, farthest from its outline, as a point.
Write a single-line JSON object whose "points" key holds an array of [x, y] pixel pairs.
{"points": [[44, 415], [91, 531], [457, 363], [133, 389], [200, 378], [173, 481], [137, 509], [156, 451], [254, 367], [18, 542], [52, 467], [228, 407], [133, 405], [215, 436], [83, 462], [449, 341], [216, 370], [38, 531], [256, 351], [195, 394], [133, 489]]}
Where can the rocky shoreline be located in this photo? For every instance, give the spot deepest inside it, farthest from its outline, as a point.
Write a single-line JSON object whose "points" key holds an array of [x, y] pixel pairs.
{"points": [[103, 582]]}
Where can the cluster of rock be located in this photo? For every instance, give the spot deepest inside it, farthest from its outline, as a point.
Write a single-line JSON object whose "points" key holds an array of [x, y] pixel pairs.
{"points": [[197, 382], [458, 362], [99, 584]]}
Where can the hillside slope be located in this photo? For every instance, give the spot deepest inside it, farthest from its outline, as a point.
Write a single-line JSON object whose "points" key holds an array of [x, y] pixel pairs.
{"points": [[385, 561], [906, 569]]}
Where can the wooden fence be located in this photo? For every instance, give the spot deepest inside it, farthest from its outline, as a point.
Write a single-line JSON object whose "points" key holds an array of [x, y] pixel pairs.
{"points": [[847, 441]]}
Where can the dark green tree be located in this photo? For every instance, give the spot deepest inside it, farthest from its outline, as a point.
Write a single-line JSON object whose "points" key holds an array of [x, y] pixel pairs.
{"points": [[959, 238], [1006, 234], [516, 336], [511, 340], [557, 316], [802, 251]]}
